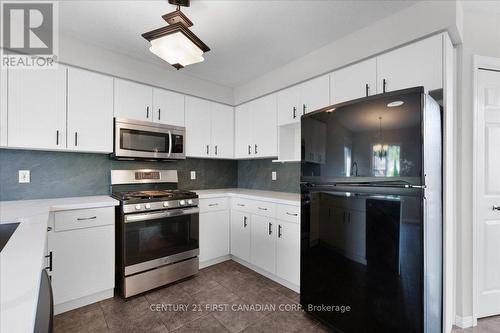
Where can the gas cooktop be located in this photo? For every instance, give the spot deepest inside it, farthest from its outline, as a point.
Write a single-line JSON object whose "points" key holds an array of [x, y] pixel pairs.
{"points": [[153, 195]]}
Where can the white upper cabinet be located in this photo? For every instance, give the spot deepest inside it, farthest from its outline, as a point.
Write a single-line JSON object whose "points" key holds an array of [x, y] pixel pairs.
{"points": [[315, 94], [417, 64], [243, 138], [265, 130], [222, 142], [90, 111], [37, 108], [168, 107], [355, 81], [198, 127], [133, 100], [288, 101]]}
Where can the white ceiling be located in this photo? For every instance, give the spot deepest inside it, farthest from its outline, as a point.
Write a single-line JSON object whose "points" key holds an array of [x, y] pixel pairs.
{"points": [[247, 38]]}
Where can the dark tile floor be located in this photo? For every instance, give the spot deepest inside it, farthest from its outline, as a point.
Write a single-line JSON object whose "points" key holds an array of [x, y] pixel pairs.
{"points": [[484, 325], [188, 307]]}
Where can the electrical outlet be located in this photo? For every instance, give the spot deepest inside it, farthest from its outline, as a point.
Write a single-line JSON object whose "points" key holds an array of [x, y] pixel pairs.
{"points": [[193, 175], [24, 176], [273, 175]]}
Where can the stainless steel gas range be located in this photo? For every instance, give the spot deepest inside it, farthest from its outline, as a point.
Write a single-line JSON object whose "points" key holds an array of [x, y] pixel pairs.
{"points": [[157, 230]]}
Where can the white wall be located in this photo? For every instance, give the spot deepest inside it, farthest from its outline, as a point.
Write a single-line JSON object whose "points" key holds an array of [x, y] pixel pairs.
{"points": [[481, 36], [81, 54], [422, 19]]}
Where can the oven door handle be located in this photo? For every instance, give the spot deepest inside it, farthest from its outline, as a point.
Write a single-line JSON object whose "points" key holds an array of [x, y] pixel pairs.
{"points": [[158, 215], [169, 143]]}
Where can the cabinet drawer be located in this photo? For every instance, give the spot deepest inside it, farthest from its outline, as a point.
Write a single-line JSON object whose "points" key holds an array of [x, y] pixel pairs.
{"points": [[242, 205], [288, 213], [83, 218], [264, 208], [214, 204]]}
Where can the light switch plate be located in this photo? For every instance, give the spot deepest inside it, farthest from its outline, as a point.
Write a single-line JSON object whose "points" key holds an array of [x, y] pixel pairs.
{"points": [[273, 175], [193, 175], [24, 176]]}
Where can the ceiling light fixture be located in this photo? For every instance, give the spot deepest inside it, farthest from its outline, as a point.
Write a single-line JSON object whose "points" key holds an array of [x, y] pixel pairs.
{"points": [[395, 104], [175, 43]]}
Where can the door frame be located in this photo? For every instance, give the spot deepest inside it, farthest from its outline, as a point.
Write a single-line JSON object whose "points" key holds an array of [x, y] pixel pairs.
{"points": [[479, 62]]}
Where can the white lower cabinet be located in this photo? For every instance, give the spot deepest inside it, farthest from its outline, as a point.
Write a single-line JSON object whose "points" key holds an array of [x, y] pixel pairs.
{"points": [[263, 243], [214, 235], [240, 234], [288, 251], [82, 245]]}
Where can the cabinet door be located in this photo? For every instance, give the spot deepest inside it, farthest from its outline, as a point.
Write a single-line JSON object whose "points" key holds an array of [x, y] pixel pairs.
{"points": [[288, 101], [222, 131], [288, 252], [355, 81], [168, 107], [37, 108], [133, 100], [3, 107], [243, 145], [315, 94], [417, 64], [356, 235], [263, 243], [198, 127], [83, 262], [90, 111], [214, 235], [265, 128], [240, 235]]}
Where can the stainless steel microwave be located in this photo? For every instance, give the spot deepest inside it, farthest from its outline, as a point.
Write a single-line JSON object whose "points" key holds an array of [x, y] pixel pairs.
{"points": [[134, 139]]}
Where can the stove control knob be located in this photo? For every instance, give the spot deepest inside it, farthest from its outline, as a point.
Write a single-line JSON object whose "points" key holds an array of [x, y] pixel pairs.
{"points": [[182, 202], [190, 202], [165, 204], [147, 206], [137, 207]]}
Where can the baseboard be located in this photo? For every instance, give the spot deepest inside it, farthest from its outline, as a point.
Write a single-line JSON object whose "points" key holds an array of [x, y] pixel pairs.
{"points": [[211, 262], [271, 276], [464, 322], [79, 302]]}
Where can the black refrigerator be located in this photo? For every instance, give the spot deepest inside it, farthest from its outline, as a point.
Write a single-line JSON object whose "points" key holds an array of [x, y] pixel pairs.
{"points": [[371, 215]]}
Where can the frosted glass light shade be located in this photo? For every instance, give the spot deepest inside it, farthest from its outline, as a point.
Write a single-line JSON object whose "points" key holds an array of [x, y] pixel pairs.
{"points": [[176, 48]]}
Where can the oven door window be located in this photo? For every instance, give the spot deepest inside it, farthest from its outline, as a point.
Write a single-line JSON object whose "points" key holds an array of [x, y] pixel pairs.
{"points": [[158, 238], [145, 141]]}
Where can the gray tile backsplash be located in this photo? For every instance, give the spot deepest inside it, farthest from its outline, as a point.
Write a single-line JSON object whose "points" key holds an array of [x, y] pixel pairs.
{"points": [[65, 174]]}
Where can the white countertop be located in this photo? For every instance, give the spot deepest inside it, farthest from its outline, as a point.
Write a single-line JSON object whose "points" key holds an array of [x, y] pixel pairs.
{"points": [[23, 257], [273, 196]]}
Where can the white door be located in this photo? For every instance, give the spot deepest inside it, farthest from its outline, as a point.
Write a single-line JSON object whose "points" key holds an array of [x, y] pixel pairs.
{"points": [[263, 243], [133, 100], [222, 131], [418, 64], [288, 252], [265, 127], [488, 193], [168, 107], [240, 235], [90, 111], [315, 94], [214, 235], [198, 127], [243, 145], [355, 81], [288, 101], [37, 108], [83, 262]]}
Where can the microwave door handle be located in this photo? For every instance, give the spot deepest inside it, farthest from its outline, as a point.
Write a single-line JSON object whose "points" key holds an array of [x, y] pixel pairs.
{"points": [[169, 143]]}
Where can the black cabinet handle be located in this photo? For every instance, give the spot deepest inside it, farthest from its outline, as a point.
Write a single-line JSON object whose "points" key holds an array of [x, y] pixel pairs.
{"points": [[215, 149], [57, 137], [213, 205], [304, 109], [159, 114], [50, 261], [270, 228], [244, 221], [255, 149], [249, 150], [262, 208], [292, 214], [76, 139], [367, 88], [384, 85], [207, 149], [147, 112], [294, 112], [279, 230], [86, 218]]}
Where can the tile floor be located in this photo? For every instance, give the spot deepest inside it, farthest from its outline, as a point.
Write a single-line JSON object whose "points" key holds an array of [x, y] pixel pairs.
{"points": [[484, 325], [188, 307]]}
